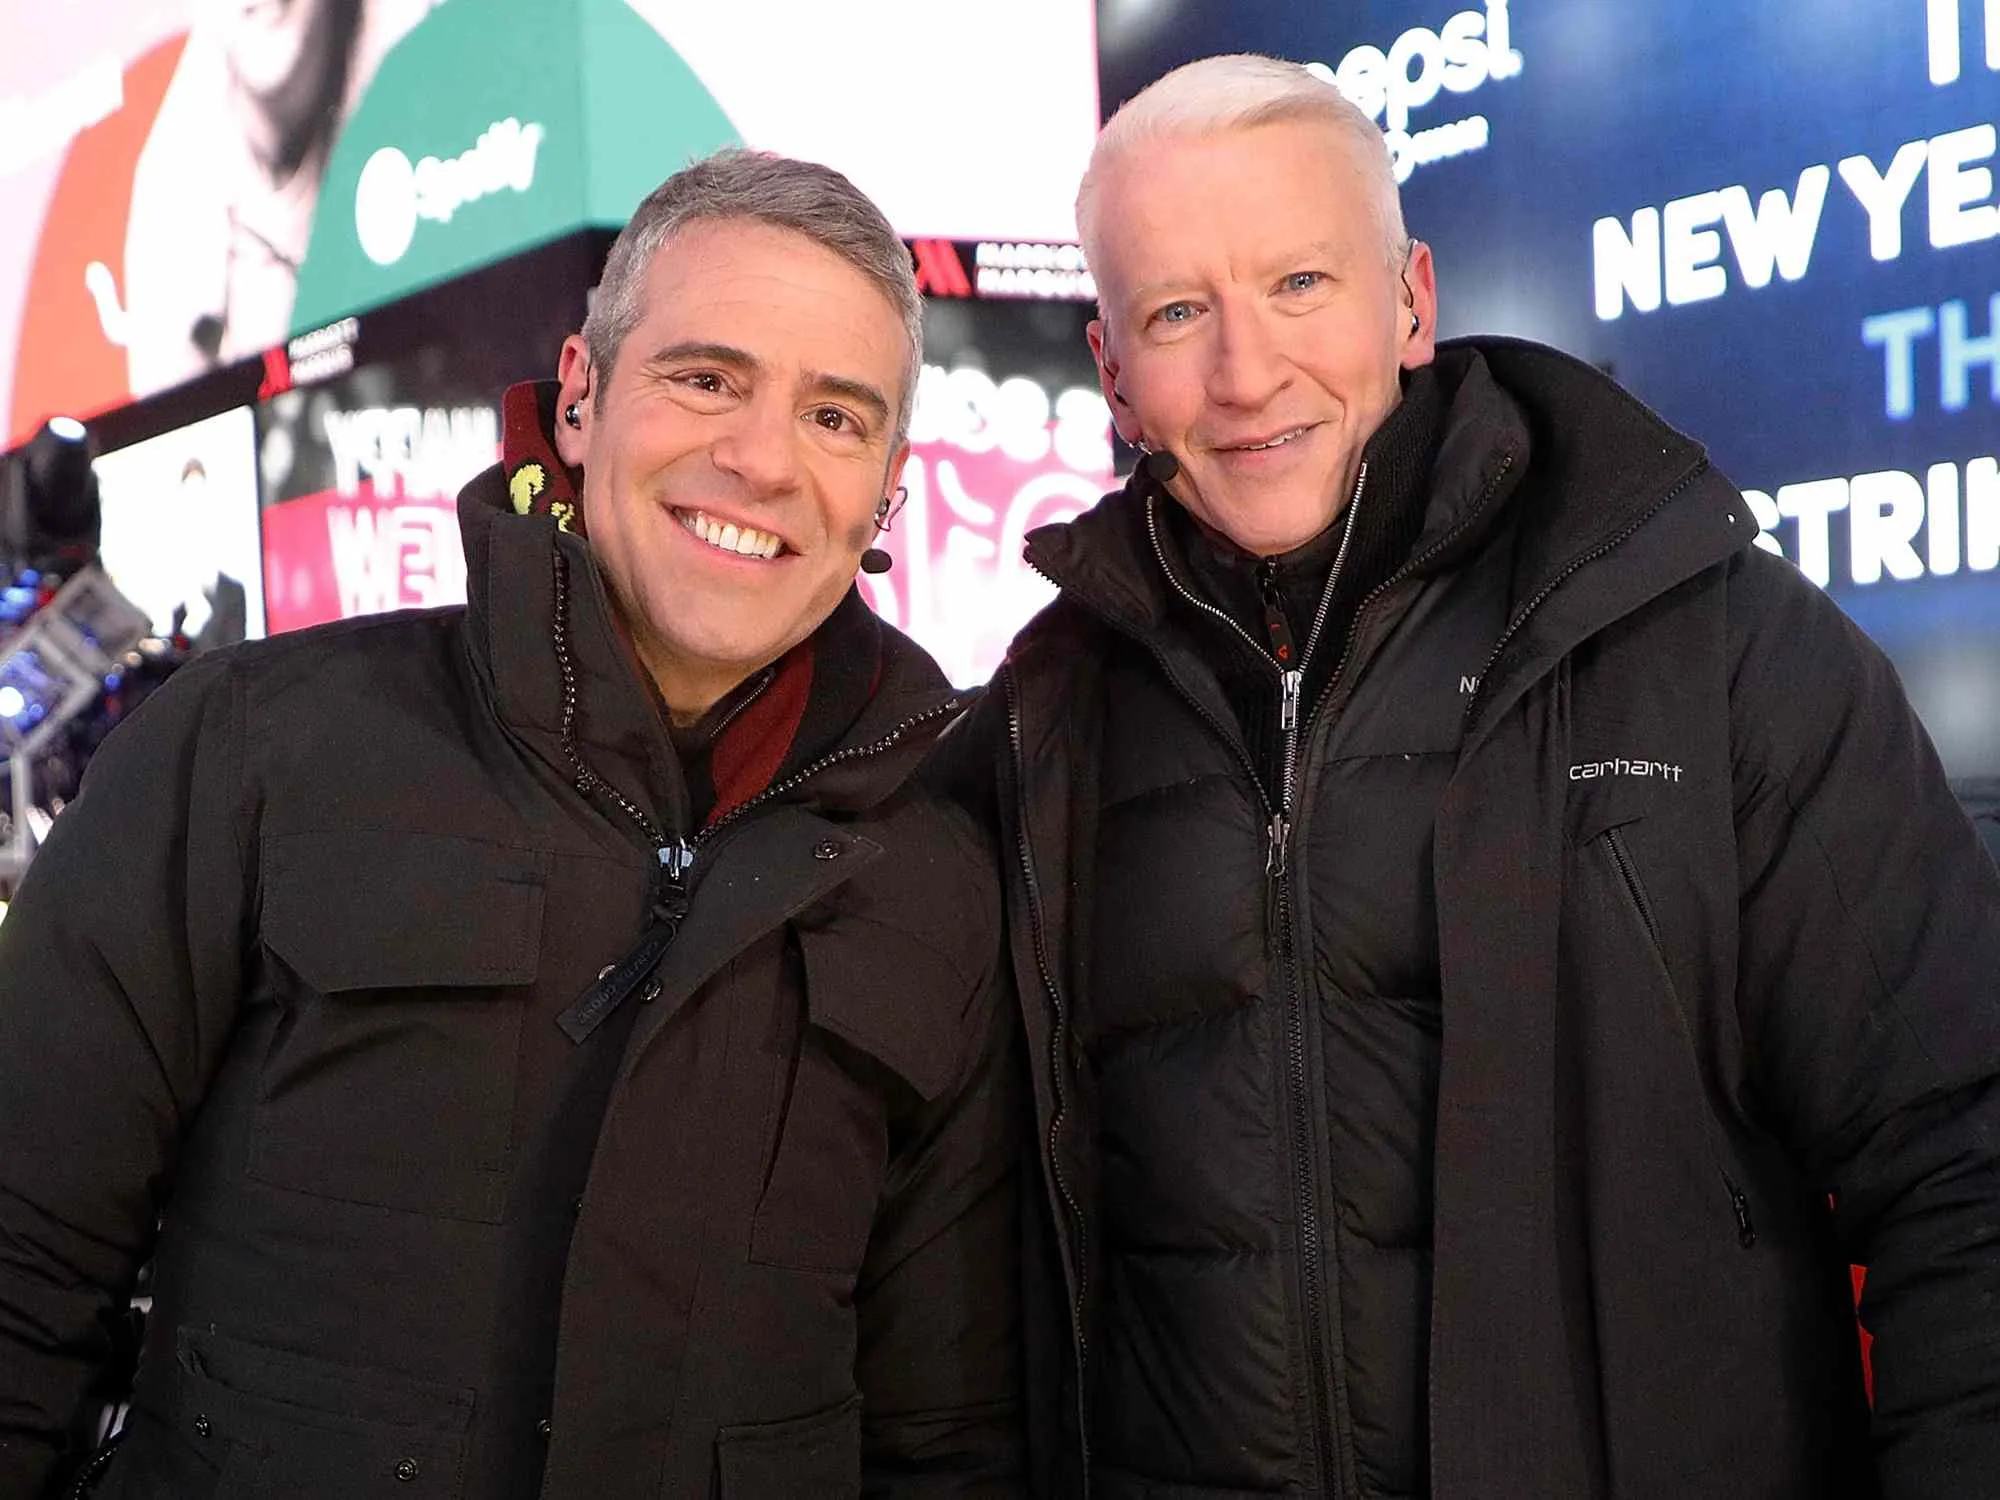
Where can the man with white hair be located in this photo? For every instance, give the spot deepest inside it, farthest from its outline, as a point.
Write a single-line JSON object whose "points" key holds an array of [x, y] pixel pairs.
{"points": [[1496, 945]]}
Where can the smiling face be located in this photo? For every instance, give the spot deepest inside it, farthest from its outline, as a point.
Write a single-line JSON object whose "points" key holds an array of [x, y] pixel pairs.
{"points": [[735, 456], [1253, 324]]}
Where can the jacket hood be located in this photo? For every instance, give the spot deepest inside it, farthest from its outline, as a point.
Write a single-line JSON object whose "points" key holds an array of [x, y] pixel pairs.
{"points": [[864, 682]]}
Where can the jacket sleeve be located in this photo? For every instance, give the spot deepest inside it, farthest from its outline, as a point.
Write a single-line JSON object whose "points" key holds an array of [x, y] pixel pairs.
{"points": [[120, 968], [1869, 987], [938, 1300]]}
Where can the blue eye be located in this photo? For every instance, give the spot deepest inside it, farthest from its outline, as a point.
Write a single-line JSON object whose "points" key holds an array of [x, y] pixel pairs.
{"points": [[1175, 312], [1303, 281]]}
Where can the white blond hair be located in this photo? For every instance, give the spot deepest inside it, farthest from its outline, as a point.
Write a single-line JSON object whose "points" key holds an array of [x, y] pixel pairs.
{"points": [[1235, 92]]}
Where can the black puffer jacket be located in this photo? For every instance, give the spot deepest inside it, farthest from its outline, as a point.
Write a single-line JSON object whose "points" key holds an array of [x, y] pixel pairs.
{"points": [[290, 972], [1464, 1123]]}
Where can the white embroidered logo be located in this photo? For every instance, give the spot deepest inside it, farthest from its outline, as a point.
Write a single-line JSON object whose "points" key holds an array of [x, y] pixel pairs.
{"points": [[1590, 770]]}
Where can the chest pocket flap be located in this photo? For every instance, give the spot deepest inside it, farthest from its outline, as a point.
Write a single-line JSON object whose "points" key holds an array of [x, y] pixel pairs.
{"points": [[367, 908], [899, 1002], [890, 994], [405, 963]]}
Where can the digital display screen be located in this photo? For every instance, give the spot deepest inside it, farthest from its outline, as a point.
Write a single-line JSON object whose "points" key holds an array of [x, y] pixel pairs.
{"points": [[190, 183], [1775, 221], [180, 528], [1009, 433], [361, 481]]}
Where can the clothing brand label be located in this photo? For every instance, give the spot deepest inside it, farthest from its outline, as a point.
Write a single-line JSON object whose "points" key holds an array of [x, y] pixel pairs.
{"points": [[1591, 770]]}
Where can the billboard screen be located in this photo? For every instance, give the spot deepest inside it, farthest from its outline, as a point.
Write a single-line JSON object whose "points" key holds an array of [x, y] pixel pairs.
{"points": [[361, 479], [1009, 433], [180, 529], [194, 182], [1776, 221]]}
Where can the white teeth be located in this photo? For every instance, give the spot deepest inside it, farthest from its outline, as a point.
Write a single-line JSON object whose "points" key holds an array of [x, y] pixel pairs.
{"points": [[726, 536], [1275, 442]]}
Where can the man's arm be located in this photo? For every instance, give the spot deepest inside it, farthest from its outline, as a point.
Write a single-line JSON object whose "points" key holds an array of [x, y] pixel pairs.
{"points": [[1870, 994], [120, 968], [938, 1301]]}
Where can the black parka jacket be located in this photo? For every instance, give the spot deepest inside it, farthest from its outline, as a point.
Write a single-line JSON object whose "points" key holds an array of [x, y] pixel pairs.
{"points": [[1717, 969], [287, 978]]}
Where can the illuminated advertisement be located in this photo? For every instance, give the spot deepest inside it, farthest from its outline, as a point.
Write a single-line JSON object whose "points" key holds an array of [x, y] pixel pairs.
{"points": [[180, 529], [1775, 221], [361, 478], [192, 183], [1009, 433]]}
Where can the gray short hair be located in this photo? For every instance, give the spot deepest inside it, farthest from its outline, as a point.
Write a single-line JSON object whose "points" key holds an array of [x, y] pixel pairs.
{"points": [[1235, 92], [809, 199]]}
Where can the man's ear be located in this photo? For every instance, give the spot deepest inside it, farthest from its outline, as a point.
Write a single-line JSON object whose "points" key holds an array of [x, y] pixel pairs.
{"points": [[893, 480], [1420, 276], [573, 373], [1123, 418]]}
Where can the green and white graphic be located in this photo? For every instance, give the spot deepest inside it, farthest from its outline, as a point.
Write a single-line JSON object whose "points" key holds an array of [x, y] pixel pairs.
{"points": [[479, 138]]}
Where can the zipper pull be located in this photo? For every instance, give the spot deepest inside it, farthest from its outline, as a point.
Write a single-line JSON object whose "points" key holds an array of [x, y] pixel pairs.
{"points": [[1746, 1232], [1276, 852], [1284, 648], [634, 972], [676, 861], [1289, 684]]}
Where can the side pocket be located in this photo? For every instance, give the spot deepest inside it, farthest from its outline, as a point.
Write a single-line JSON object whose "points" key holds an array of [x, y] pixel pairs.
{"points": [[1614, 840], [806, 1458], [1628, 871], [279, 1424]]}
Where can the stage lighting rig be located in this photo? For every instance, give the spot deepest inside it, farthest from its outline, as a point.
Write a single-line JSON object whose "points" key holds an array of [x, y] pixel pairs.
{"points": [[72, 626], [50, 516]]}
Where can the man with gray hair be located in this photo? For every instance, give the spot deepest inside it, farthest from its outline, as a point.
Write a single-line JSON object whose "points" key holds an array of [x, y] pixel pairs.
{"points": [[558, 1046], [1496, 946]]}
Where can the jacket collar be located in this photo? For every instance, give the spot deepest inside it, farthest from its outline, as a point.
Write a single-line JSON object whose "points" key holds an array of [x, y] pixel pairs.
{"points": [[1104, 559], [1609, 507], [1618, 508], [868, 680]]}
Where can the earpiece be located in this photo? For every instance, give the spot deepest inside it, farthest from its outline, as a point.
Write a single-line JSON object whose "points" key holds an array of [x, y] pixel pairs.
{"points": [[875, 560], [1415, 323], [572, 416]]}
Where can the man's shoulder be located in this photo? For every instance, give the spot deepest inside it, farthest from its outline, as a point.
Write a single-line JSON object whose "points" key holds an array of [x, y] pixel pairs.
{"points": [[369, 654], [1062, 641]]}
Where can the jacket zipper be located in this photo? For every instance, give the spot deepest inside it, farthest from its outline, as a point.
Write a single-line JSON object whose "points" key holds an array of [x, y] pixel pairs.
{"points": [[1563, 575], [1277, 869], [1739, 1202], [1744, 1233], [1038, 925], [675, 857], [1630, 875], [87, 1477]]}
